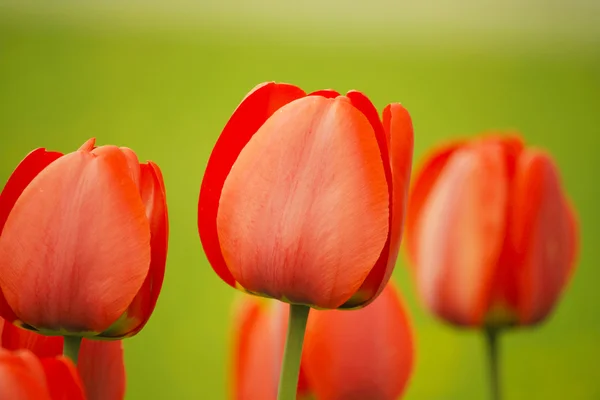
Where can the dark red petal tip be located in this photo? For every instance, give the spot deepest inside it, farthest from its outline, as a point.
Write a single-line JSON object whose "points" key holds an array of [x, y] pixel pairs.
{"points": [[327, 93]]}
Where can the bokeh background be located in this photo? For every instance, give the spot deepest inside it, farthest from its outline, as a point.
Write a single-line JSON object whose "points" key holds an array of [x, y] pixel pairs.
{"points": [[163, 79]]}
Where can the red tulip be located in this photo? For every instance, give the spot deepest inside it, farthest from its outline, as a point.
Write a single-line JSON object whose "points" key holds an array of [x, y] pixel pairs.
{"points": [[83, 242], [100, 363], [362, 354], [303, 196], [25, 377], [259, 337], [490, 233]]}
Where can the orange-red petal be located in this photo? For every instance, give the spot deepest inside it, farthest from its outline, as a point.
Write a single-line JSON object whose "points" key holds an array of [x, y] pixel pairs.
{"points": [[362, 354], [22, 377], [423, 182], [102, 369], [399, 131], [249, 116], [542, 234], [134, 165], [304, 213], [89, 145], [255, 361], [461, 233], [62, 379], [15, 338], [27, 169], [370, 287], [76, 247], [154, 198]]}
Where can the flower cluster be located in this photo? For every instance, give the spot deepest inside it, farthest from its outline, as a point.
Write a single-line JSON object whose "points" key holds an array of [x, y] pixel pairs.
{"points": [[302, 208]]}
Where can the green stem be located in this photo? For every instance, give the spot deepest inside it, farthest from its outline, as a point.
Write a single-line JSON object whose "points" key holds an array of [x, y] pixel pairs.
{"points": [[71, 347], [290, 368], [491, 338]]}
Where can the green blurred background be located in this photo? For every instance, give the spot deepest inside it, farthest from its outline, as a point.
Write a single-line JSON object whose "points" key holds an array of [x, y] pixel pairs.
{"points": [[163, 80]]}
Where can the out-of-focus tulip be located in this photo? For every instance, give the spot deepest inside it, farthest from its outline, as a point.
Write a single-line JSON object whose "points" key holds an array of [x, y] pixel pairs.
{"points": [[259, 335], [100, 365], [362, 354], [83, 242], [303, 196], [490, 233], [25, 377]]}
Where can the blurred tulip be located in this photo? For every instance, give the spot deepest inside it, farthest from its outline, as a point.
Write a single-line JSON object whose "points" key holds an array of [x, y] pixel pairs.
{"points": [[362, 354], [303, 196], [25, 377], [101, 366], [490, 233], [259, 335], [83, 242]]}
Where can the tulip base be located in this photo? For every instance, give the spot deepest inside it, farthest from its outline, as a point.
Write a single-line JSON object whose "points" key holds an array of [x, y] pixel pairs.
{"points": [[292, 355], [71, 347], [491, 338]]}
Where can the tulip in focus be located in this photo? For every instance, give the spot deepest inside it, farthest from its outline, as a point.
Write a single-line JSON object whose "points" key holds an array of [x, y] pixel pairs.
{"points": [[23, 376], [83, 242], [303, 196], [101, 366], [362, 354], [490, 233]]}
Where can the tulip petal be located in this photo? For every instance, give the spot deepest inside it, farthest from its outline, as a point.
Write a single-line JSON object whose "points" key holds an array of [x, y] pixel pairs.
{"points": [[541, 234], [371, 285], [255, 364], [62, 379], [102, 369], [27, 169], [398, 129], [304, 213], [461, 233], [133, 163], [362, 354], [79, 266], [15, 338], [423, 182], [153, 195], [22, 377], [327, 93], [250, 115], [89, 145]]}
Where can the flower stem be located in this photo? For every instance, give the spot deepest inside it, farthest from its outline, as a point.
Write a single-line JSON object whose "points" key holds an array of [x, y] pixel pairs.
{"points": [[290, 368], [491, 338], [71, 347]]}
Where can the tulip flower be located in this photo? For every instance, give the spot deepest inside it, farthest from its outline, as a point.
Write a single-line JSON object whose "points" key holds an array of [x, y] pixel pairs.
{"points": [[303, 201], [491, 234], [101, 365], [83, 242], [25, 377], [303, 196], [363, 354]]}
